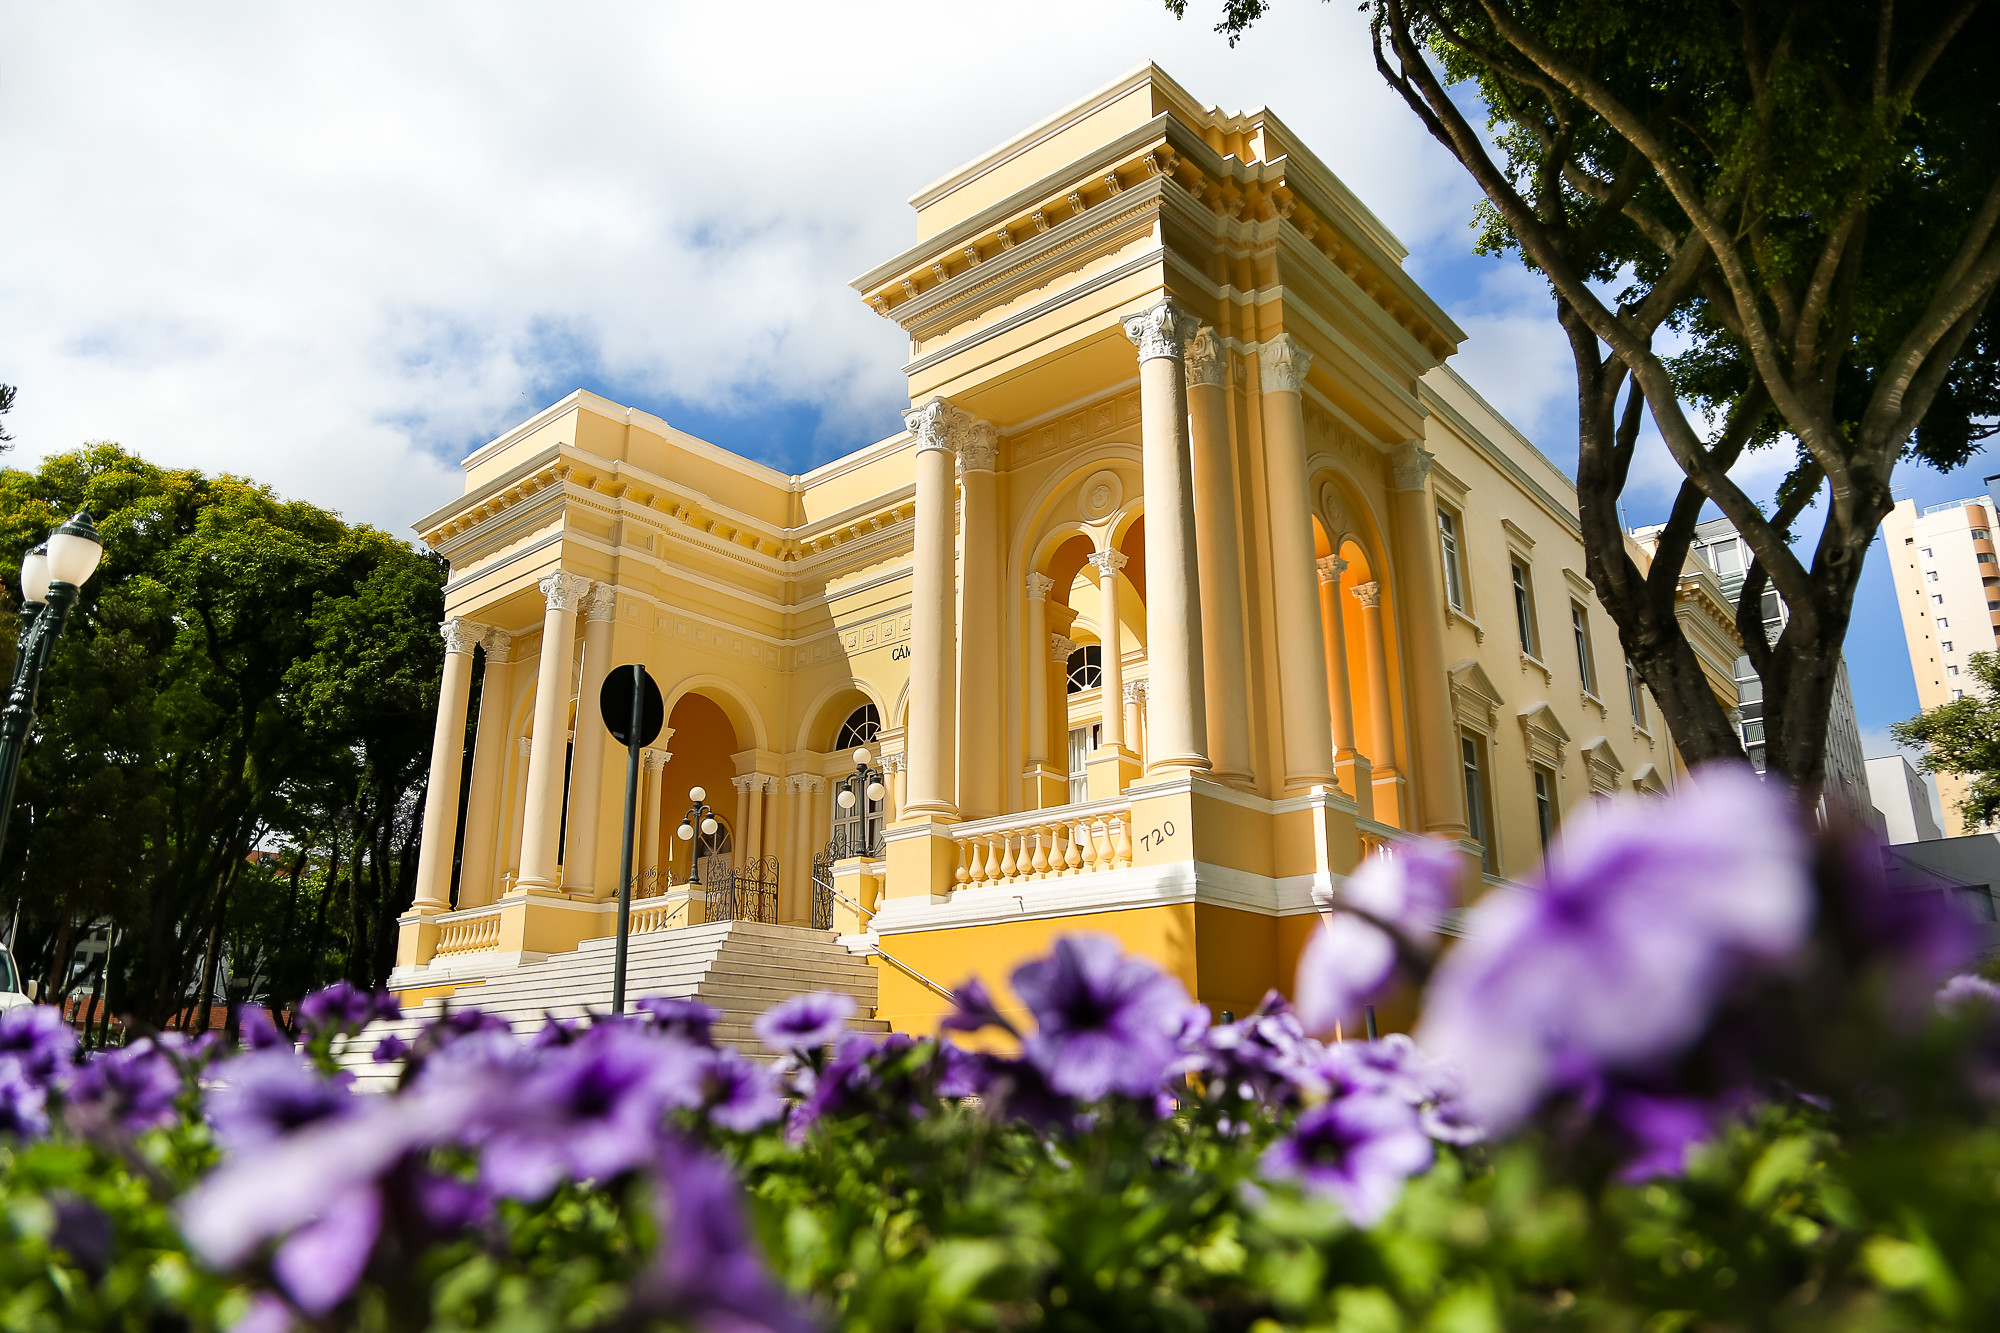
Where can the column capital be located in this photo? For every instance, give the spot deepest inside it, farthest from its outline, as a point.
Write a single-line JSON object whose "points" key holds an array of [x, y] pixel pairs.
{"points": [[1108, 563], [1039, 585], [743, 782], [460, 635], [603, 602], [1368, 594], [1284, 362], [1135, 691], [655, 761], [498, 643], [978, 446], [564, 591], [1412, 464], [1331, 567], [1207, 361], [893, 763], [1060, 648], [1163, 330], [938, 424]]}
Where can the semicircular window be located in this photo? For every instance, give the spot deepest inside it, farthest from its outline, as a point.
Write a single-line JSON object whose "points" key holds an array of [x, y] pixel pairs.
{"points": [[862, 727], [1086, 669]]}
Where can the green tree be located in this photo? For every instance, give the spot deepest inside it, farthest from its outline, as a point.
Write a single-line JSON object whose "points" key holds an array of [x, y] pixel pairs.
{"points": [[1802, 197], [1963, 738], [244, 672]]}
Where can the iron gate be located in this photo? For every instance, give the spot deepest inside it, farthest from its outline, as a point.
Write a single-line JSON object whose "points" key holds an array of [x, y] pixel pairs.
{"points": [[748, 892]]}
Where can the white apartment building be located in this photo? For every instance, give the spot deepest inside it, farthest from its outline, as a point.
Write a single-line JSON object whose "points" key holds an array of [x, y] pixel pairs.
{"points": [[1948, 586], [1904, 800]]}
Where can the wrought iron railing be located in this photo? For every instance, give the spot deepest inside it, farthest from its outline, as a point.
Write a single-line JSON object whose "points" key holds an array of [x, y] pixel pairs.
{"points": [[748, 892]]}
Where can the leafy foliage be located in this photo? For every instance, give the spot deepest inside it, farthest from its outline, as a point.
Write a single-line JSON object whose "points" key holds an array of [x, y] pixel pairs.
{"points": [[1963, 737]]}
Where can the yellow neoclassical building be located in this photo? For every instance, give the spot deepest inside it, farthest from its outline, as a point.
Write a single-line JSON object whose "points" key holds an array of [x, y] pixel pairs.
{"points": [[1195, 573]]}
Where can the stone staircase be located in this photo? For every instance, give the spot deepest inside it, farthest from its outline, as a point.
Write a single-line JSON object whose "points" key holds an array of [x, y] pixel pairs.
{"points": [[738, 967]]}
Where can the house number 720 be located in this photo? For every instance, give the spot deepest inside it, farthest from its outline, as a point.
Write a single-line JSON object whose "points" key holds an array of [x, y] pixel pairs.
{"points": [[1157, 838]]}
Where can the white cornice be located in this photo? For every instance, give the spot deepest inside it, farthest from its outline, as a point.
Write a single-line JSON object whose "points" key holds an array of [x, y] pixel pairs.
{"points": [[1125, 890]]}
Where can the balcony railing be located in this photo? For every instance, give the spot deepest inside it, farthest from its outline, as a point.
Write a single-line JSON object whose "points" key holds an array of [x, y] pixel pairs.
{"points": [[1374, 836], [1045, 844], [475, 930]]}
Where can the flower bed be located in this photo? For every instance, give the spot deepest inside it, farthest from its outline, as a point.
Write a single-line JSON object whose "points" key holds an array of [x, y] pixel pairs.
{"points": [[1700, 1075]]}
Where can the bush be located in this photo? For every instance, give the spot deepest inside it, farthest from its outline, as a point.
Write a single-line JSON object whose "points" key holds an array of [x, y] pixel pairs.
{"points": [[1699, 1076]]}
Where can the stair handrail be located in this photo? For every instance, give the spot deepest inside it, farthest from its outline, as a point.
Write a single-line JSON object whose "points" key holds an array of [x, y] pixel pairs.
{"points": [[881, 952]]}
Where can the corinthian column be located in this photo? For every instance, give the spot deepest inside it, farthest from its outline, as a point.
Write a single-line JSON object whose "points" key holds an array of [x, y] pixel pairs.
{"points": [[447, 765], [586, 783], [1382, 733], [1435, 747], [933, 637], [1043, 787], [1224, 669], [651, 822], [547, 757], [1356, 775], [1177, 718], [1301, 650], [979, 751], [1111, 639], [477, 876]]}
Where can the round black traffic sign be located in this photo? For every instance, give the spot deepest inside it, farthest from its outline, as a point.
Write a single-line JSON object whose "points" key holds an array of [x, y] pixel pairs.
{"points": [[614, 701]]}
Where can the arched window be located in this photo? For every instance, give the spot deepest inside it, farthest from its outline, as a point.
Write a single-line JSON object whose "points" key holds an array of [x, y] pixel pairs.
{"points": [[863, 725], [1086, 669]]}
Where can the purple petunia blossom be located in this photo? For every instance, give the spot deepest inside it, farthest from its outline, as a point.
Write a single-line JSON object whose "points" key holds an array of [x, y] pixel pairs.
{"points": [[1644, 912], [36, 1036], [1395, 1066], [135, 1087], [805, 1022], [389, 1050], [269, 1094], [737, 1092], [1346, 963], [1107, 1021], [259, 1031], [267, 1314], [973, 1009], [1966, 993], [1358, 1149], [690, 1020], [1266, 1057], [1409, 886], [959, 1072], [1662, 1130], [342, 1007], [23, 1101], [319, 1265], [706, 1272], [588, 1111]]}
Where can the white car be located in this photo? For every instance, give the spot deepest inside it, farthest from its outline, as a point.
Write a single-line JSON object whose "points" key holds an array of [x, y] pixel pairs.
{"points": [[10, 984]]}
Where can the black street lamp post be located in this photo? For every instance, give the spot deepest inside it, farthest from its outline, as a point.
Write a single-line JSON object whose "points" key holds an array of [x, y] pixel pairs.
{"points": [[51, 577], [700, 815], [864, 784]]}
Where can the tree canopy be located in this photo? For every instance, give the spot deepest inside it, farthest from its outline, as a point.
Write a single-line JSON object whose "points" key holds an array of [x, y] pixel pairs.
{"points": [[233, 735], [1963, 738], [1765, 225]]}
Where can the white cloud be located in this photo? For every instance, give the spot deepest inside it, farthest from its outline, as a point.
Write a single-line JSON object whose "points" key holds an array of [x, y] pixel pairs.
{"points": [[332, 246]]}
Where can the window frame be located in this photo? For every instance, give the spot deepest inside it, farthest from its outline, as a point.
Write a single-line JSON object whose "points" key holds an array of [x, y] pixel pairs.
{"points": [[1077, 665], [1586, 657], [1451, 552], [1542, 783], [1525, 620], [1478, 798], [1636, 698]]}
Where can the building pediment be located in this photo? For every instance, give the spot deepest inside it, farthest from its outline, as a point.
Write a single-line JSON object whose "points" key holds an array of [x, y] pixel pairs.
{"points": [[1603, 765], [1474, 696], [1546, 736]]}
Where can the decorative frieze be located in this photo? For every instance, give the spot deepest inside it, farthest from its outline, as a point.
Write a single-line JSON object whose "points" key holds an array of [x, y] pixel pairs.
{"points": [[1075, 430]]}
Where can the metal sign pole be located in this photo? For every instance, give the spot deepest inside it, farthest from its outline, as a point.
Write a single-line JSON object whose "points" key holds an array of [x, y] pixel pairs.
{"points": [[633, 744]]}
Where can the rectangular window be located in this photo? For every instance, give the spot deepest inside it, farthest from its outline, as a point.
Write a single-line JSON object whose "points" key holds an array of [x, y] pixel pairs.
{"points": [[1638, 701], [1475, 799], [1946, 645], [1938, 598], [1454, 569], [1951, 671], [1981, 534], [1927, 550], [1082, 740], [1985, 557], [1545, 805], [1931, 575], [1586, 666], [1956, 695], [1524, 611], [1943, 623]]}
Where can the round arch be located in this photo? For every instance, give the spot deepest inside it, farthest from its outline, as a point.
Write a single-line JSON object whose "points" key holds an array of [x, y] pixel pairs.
{"points": [[729, 697], [822, 717]]}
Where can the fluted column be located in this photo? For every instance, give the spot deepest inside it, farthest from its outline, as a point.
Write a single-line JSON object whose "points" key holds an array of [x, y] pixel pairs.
{"points": [[933, 623], [1135, 721], [740, 833], [548, 757], [1381, 731], [477, 874], [753, 851], [1224, 665], [1178, 726], [893, 767], [1035, 749], [434, 854], [586, 783], [1111, 646], [1307, 730], [1434, 749], [652, 821], [796, 908], [980, 753], [1353, 769]]}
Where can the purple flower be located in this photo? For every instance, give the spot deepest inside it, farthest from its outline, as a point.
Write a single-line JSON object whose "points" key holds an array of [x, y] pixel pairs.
{"points": [[1662, 1130], [1358, 1149], [739, 1093], [267, 1314], [390, 1049], [866, 1074], [456, 1024], [1019, 1090], [269, 1094], [588, 1111], [706, 1272], [1409, 886], [37, 1037], [959, 1072], [690, 1020], [135, 1087], [323, 1260], [1345, 964], [1395, 1066], [805, 1022], [1644, 912], [259, 1031], [1266, 1057], [973, 1009], [83, 1231], [23, 1101], [342, 1007], [1966, 993], [1107, 1022]]}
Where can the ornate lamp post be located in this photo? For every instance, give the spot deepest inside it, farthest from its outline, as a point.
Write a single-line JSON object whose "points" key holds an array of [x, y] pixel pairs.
{"points": [[700, 814], [864, 782], [51, 576]]}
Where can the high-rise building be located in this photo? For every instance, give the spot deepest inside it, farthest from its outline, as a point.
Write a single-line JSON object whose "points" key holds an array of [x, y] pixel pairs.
{"points": [[1948, 584], [1905, 802]]}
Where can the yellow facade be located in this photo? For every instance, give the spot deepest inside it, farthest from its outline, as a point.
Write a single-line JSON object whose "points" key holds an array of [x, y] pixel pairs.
{"points": [[1151, 598]]}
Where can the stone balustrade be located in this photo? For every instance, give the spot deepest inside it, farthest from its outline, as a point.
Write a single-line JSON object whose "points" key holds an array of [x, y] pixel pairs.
{"points": [[473, 931], [1045, 844]]}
